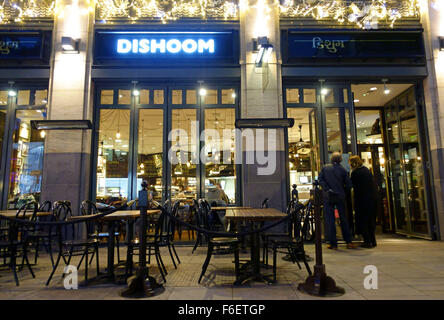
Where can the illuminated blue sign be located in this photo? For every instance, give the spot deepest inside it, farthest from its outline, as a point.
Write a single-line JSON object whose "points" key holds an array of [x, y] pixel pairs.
{"points": [[171, 47], [162, 46]]}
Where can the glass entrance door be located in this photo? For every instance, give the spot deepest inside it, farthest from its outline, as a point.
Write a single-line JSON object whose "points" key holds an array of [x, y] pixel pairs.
{"points": [[323, 115], [406, 165]]}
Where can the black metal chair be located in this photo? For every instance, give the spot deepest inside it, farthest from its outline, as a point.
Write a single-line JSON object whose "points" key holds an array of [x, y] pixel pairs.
{"points": [[17, 240], [292, 241], [215, 242], [168, 232], [153, 242], [200, 220], [89, 208], [43, 234], [71, 241]]}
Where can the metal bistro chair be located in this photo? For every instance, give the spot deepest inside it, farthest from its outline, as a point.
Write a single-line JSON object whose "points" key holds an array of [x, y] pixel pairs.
{"points": [[168, 231], [17, 238], [201, 221], [89, 208], [43, 234], [293, 240], [215, 242], [153, 241], [71, 241]]}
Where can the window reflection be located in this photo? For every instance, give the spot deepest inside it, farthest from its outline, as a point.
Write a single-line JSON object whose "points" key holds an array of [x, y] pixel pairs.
{"points": [[25, 177]]}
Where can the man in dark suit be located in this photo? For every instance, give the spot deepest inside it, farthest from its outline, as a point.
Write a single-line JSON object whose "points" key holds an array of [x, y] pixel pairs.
{"points": [[335, 183]]}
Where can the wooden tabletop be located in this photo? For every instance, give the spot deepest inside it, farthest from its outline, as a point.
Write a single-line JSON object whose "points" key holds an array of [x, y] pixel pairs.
{"points": [[226, 208], [13, 213], [120, 215], [250, 214]]}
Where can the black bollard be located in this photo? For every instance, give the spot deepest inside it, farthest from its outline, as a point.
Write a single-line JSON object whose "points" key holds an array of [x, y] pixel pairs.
{"points": [[142, 285], [319, 284]]}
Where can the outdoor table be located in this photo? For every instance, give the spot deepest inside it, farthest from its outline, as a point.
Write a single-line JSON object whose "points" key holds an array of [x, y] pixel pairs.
{"points": [[126, 215], [253, 217], [226, 208], [13, 214]]}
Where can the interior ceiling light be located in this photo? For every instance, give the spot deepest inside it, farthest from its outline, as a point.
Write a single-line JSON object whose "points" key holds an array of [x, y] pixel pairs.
{"points": [[386, 89]]}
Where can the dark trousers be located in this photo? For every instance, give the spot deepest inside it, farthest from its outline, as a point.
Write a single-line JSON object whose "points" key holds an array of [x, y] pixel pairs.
{"points": [[368, 229], [329, 216]]}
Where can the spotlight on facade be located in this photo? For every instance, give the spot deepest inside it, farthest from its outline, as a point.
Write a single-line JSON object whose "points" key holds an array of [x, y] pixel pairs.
{"points": [[441, 43], [203, 92], [136, 92], [324, 91], [264, 50], [12, 93], [70, 45]]}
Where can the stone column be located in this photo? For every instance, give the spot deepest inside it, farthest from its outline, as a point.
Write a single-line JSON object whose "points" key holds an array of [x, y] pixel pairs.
{"points": [[261, 97], [66, 172], [432, 19]]}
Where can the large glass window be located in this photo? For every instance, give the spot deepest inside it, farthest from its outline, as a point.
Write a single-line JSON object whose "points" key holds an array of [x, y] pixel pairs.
{"points": [[150, 150], [169, 127], [25, 177], [184, 173], [220, 170], [112, 160]]}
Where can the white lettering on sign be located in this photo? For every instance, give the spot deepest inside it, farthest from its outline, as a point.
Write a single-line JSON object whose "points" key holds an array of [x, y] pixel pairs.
{"points": [[145, 46]]}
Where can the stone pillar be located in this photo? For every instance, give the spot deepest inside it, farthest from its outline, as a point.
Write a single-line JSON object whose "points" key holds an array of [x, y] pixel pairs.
{"points": [[261, 97], [66, 172], [432, 19]]}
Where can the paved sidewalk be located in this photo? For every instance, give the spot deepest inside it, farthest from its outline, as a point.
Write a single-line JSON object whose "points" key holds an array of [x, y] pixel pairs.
{"points": [[407, 269]]}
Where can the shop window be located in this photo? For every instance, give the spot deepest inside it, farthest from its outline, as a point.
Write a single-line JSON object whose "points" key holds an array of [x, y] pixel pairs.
{"points": [[292, 95], [191, 97], [177, 97], [345, 95], [41, 97], [23, 97], [107, 97], [124, 97], [3, 98], [144, 97], [159, 97], [112, 160], [211, 97], [309, 95], [228, 96], [25, 175], [150, 151]]}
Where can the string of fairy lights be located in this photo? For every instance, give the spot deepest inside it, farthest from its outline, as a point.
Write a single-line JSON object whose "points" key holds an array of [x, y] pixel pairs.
{"points": [[361, 13]]}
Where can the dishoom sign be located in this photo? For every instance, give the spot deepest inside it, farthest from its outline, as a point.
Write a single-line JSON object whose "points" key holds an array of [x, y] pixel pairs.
{"points": [[172, 47]]}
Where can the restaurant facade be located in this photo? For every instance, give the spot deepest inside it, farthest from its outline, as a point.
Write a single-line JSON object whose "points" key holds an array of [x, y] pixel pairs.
{"points": [[358, 77]]}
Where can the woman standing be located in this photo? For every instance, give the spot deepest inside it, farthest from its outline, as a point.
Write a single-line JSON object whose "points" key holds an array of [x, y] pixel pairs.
{"points": [[365, 201]]}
